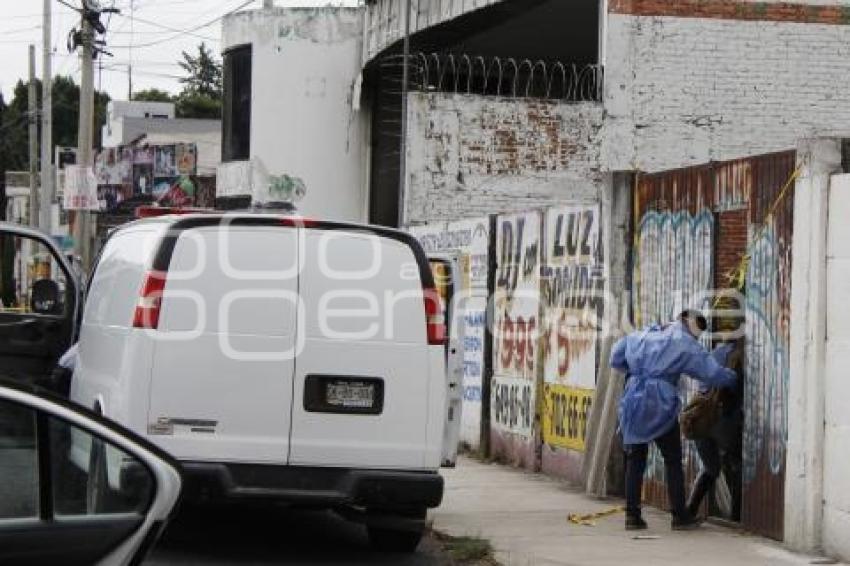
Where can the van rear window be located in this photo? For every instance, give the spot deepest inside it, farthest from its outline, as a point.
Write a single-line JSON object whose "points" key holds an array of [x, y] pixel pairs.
{"points": [[114, 288]]}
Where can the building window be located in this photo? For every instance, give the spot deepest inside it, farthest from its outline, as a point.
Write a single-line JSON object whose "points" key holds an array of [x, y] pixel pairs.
{"points": [[236, 141]]}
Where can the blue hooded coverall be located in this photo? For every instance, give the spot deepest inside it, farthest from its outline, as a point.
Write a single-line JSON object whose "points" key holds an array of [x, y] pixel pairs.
{"points": [[654, 360]]}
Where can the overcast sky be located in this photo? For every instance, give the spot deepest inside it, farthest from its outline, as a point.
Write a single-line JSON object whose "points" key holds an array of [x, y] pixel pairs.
{"points": [[153, 65]]}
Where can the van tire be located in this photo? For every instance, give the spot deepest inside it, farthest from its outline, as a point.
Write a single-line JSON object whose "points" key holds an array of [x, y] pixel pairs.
{"points": [[392, 540]]}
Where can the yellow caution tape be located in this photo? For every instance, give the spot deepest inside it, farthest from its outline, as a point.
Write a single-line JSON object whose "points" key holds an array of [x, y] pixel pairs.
{"points": [[737, 278], [589, 519]]}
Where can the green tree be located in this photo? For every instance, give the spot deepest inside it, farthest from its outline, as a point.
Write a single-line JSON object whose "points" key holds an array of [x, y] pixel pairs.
{"points": [[197, 106], [201, 95], [14, 129], [153, 95], [204, 73]]}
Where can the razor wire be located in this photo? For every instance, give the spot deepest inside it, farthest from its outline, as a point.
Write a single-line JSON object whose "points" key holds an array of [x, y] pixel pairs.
{"points": [[506, 77]]}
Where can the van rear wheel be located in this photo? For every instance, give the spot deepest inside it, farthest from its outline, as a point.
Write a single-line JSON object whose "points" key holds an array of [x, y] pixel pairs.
{"points": [[392, 540]]}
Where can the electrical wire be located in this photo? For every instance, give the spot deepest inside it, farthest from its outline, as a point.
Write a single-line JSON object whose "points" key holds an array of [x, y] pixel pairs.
{"points": [[185, 31], [167, 29]]}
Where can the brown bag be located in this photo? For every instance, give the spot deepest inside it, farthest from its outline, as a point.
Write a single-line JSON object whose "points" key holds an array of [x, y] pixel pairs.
{"points": [[700, 416]]}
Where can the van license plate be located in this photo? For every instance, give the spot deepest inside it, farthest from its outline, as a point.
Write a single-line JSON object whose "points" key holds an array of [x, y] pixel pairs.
{"points": [[350, 394]]}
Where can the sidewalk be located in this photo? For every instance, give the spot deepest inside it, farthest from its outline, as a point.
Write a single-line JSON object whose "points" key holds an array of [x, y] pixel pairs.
{"points": [[524, 516]]}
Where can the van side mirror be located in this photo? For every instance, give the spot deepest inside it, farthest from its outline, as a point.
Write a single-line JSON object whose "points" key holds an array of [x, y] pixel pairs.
{"points": [[45, 297]]}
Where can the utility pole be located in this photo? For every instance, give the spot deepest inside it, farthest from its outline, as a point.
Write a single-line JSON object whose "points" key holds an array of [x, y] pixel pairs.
{"points": [[83, 221], [405, 78], [130, 56], [33, 120], [48, 191], [3, 202]]}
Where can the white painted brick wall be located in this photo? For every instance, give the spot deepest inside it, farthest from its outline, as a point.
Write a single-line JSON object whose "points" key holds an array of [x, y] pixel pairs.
{"points": [[683, 91], [836, 461], [472, 155]]}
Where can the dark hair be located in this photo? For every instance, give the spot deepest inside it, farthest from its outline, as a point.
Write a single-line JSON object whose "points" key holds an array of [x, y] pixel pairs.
{"points": [[694, 315]]}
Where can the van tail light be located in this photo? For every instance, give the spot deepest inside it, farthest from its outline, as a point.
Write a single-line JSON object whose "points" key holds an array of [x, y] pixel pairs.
{"points": [[435, 319], [150, 301]]}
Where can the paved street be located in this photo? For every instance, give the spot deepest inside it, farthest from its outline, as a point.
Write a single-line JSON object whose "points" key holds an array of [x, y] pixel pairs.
{"points": [[275, 536]]}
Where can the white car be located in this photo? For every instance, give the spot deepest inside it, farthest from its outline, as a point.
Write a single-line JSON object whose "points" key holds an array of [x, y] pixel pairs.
{"points": [[45, 516], [277, 359]]}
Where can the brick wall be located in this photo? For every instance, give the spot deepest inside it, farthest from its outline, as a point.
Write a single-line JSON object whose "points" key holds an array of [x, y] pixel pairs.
{"points": [[473, 155], [807, 11], [684, 90]]}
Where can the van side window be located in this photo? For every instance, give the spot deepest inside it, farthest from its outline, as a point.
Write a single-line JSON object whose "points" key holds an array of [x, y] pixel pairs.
{"points": [[114, 289]]}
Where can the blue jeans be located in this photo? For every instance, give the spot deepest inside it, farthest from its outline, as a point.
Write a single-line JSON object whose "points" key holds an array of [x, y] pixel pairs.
{"points": [[670, 446]]}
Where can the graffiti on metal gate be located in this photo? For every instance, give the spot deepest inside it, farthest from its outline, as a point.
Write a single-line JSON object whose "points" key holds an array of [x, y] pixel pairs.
{"points": [[673, 267], [673, 271], [768, 372]]}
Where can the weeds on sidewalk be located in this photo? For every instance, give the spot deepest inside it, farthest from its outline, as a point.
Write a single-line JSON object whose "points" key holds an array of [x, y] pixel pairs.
{"points": [[467, 551]]}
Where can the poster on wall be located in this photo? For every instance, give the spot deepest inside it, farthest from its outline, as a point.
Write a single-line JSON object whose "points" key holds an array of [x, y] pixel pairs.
{"points": [[110, 196], [143, 155], [165, 161], [107, 167], [187, 159], [181, 192], [143, 178], [161, 186], [80, 190], [516, 323], [469, 240], [124, 157], [571, 291]]}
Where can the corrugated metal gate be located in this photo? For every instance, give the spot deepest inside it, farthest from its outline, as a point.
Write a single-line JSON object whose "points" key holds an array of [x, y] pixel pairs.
{"points": [[691, 225]]}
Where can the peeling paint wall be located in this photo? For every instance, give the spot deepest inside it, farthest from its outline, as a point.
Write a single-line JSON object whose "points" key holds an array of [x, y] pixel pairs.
{"points": [[572, 289], [836, 464], [472, 155], [514, 419], [681, 91], [306, 122]]}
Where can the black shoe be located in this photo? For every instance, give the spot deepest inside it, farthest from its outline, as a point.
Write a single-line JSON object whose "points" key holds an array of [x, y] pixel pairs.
{"points": [[685, 524], [636, 524]]}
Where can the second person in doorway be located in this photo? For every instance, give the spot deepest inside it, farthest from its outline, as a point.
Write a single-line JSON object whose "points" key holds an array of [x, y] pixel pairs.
{"points": [[654, 360]]}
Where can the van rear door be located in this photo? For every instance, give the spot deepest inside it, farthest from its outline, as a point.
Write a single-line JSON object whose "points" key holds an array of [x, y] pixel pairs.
{"points": [[225, 348], [364, 389], [446, 269]]}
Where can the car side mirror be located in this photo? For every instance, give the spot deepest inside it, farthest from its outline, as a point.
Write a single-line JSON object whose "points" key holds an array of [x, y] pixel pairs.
{"points": [[45, 297]]}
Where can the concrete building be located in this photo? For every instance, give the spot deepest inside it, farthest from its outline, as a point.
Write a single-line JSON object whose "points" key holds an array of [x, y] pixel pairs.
{"points": [[154, 123], [667, 130], [292, 108]]}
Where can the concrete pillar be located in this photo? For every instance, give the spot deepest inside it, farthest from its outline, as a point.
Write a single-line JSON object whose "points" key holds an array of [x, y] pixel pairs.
{"points": [[616, 212], [820, 159]]}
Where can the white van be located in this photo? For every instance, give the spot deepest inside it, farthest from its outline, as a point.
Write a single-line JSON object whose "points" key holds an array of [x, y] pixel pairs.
{"points": [[277, 359]]}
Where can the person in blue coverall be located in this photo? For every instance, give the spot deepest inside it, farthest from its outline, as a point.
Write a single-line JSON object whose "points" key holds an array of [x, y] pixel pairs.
{"points": [[654, 360]]}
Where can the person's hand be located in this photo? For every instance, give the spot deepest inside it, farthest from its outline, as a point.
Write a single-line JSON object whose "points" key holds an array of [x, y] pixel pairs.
{"points": [[736, 358], [721, 353]]}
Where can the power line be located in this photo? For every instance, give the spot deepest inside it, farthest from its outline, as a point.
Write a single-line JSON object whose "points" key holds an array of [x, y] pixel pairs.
{"points": [[167, 28], [19, 30], [181, 33]]}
